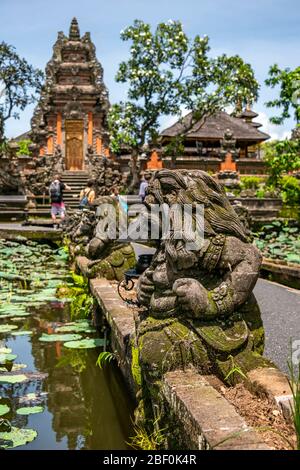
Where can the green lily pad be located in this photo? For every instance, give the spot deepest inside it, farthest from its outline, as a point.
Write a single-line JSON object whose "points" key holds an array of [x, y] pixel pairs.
{"points": [[77, 328], [22, 333], [29, 410], [7, 328], [5, 350], [15, 367], [87, 343], [17, 437], [4, 409], [7, 357], [293, 258], [12, 379], [49, 338]]}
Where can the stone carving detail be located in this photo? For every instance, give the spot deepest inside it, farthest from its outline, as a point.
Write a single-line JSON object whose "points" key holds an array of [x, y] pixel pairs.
{"points": [[105, 173], [228, 145], [74, 87], [11, 181], [108, 258], [199, 307]]}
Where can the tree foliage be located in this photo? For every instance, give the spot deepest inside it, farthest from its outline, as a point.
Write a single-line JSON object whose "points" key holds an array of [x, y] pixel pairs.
{"points": [[19, 83], [167, 72], [288, 101], [281, 157], [24, 147]]}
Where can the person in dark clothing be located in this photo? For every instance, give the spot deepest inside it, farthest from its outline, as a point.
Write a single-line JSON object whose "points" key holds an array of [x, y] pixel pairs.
{"points": [[56, 190]]}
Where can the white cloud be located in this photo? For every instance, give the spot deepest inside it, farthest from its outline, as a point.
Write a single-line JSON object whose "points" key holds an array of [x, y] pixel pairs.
{"points": [[274, 131]]}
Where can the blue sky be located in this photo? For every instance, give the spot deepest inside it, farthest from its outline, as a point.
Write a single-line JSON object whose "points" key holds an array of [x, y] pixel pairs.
{"points": [[262, 32]]}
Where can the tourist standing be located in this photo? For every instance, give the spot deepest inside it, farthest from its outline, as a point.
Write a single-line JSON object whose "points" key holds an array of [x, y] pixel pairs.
{"points": [[87, 196], [56, 190], [143, 186]]}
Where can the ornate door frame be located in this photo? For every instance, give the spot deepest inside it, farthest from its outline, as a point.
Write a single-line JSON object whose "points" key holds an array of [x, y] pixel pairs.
{"points": [[74, 144]]}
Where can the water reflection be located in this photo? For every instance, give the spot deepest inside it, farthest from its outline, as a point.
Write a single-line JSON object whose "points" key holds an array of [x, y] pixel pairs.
{"points": [[84, 407]]}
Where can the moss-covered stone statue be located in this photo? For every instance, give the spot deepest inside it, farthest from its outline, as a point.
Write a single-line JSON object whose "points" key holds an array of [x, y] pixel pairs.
{"points": [[200, 309], [87, 233]]}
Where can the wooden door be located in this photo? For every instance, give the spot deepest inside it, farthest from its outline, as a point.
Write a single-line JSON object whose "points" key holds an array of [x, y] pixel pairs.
{"points": [[74, 145]]}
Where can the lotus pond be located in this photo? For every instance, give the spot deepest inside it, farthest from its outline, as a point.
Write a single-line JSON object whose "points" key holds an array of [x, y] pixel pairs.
{"points": [[279, 241], [52, 393]]}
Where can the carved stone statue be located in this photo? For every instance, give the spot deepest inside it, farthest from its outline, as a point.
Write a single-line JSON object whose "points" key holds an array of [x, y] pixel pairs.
{"points": [[228, 145], [86, 231], [10, 177], [199, 307], [58, 161]]}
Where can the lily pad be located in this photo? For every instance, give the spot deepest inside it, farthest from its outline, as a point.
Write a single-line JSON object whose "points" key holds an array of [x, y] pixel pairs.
{"points": [[5, 350], [7, 328], [4, 409], [13, 379], [21, 333], [87, 343], [29, 410], [49, 338], [15, 367], [77, 328], [17, 437], [7, 357]]}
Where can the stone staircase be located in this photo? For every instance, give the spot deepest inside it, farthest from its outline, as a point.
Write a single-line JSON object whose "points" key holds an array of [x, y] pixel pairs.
{"points": [[76, 180]]}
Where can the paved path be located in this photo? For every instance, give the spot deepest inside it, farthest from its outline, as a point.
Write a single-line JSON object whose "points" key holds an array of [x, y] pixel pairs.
{"points": [[280, 308]]}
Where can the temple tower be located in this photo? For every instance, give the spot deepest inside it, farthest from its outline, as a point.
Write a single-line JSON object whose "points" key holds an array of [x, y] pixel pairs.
{"points": [[70, 120]]}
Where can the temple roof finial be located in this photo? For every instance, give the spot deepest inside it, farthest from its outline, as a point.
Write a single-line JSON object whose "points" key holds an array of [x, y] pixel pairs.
{"points": [[74, 34]]}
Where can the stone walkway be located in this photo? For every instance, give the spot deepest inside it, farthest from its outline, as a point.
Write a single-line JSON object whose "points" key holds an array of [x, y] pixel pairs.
{"points": [[280, 308]]}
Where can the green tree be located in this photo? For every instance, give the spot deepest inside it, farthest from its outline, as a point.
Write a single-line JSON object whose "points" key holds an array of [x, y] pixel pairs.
{"points": [[19, 83], [288, 101], [281, 157], [167, 72]]}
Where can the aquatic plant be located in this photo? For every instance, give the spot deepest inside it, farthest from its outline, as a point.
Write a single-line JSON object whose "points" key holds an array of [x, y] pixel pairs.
{"points": [[78, 291], [87, 343], [29, 410], [16, 437], [105, 357], [144, 440], [60, 337], [294, 382], [278, 240], [4, 409]]}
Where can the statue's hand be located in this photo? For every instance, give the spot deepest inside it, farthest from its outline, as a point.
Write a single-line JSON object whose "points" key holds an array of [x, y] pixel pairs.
{"points": [[192, 297], [145, 288]]}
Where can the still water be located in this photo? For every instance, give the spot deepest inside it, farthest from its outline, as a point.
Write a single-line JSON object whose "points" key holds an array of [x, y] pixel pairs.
{"points": [[84, 407]]}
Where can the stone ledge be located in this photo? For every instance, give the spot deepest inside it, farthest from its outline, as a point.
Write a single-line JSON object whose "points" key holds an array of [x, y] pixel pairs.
{"points": [[271, 382], [290, 269], [82, 264], [204, 415], [120, 319], [212, 422]]}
